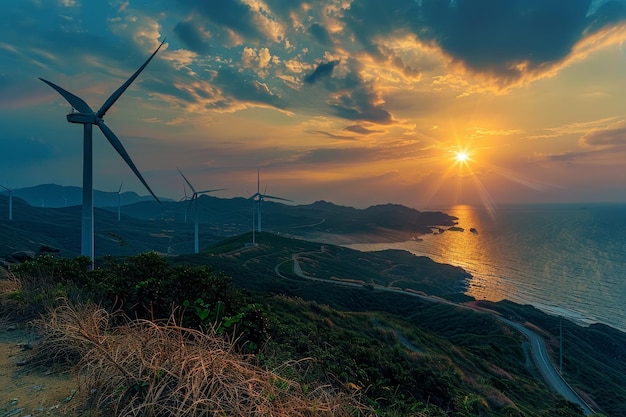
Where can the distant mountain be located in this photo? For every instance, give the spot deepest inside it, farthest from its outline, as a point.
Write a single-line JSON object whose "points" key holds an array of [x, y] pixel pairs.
{"points": [[168, 227], [56, 196]]}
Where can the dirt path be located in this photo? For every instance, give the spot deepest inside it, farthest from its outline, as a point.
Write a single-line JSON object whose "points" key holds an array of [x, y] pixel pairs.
{"points": [[25, 391]]}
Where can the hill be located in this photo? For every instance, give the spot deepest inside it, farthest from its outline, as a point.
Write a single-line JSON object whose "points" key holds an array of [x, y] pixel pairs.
{"points": [[594, 359], [168, 227], [404, 354], [56, 196]]}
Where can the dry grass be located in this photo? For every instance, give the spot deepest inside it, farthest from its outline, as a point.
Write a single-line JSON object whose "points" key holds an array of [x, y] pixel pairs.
{"points": [[141, 368]]}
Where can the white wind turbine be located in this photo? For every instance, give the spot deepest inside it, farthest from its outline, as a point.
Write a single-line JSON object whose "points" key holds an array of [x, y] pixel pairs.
{"points": [[119, 202], [260, 199], [10, 201], [83, 114], [194, 201]]}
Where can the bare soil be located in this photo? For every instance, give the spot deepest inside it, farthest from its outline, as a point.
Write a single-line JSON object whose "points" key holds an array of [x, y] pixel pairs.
{"points": [[26, 390]]}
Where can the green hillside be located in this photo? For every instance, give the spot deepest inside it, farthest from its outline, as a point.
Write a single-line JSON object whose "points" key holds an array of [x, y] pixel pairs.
{"points": [[404, 355]]}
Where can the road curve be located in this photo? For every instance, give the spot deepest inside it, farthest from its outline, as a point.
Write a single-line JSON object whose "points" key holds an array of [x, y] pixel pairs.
{"points": [[545, 366], [538, 347]]}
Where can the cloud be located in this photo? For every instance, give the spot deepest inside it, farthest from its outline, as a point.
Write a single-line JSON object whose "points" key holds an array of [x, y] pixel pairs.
{"points": [[320, 34], [248, 20], [361, 130], [359, 104], [324, 69], [605, 138], [507, 41], [190, 34], [236, 85]]}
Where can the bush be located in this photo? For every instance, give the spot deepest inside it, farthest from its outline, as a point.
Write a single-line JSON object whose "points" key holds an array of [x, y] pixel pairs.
{"points": [[143, 368], [145, 286]]}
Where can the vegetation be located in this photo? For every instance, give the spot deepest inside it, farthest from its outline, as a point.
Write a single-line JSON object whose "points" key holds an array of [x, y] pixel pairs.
{"points": [[150, 337]]}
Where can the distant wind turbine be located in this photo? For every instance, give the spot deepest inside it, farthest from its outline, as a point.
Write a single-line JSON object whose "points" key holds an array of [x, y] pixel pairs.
{"points": [[260, 198], [83, 114], [194, 201], [10, 201], [119, 202], [185, 198]]}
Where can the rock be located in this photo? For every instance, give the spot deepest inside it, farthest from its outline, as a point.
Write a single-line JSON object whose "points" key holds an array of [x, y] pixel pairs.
{"points": [[5, 264], [48, 249], [21, 256]]}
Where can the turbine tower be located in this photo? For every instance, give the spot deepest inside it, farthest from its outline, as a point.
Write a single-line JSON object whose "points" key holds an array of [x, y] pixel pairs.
{"points": [[194, 201], [10, 201], [260, 199], [83, 114], [119, 202]]}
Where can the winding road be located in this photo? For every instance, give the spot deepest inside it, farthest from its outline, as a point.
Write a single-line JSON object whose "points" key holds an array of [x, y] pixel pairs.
{"points": [[538, 347]]}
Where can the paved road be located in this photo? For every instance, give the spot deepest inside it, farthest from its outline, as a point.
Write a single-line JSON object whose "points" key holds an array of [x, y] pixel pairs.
{"points": [[538, 347], [545, 366]]}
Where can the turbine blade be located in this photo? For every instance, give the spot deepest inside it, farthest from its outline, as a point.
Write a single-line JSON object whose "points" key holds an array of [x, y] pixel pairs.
{"points": [[5, 188], [113, 98], [210, 191], [75, 101], [254, 196], [187, 181], [115, 142], [120, 189], [275, 198]]}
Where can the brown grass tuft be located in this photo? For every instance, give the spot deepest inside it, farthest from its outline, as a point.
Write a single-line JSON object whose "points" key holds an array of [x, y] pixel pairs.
{"points": [[142, 368]]}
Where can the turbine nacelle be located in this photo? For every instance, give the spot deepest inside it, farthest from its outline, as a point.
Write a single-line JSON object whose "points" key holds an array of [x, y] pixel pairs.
{"points": [[83, 118]]}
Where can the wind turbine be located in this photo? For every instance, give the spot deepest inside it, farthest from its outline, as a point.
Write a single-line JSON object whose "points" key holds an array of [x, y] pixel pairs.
{"points": [[185, 198], [10, 201], [83, 114], [119, 202], [194, 201], [261, 198]]}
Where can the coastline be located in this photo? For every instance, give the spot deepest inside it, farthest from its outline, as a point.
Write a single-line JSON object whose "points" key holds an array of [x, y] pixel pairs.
{"points": [[570, 314]]}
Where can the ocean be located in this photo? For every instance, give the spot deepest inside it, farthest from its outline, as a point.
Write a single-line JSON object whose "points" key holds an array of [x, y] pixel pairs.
{"points": [[567, 260]]}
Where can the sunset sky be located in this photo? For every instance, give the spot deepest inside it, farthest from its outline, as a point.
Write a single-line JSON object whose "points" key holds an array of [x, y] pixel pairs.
{"points": [[356, 102]]}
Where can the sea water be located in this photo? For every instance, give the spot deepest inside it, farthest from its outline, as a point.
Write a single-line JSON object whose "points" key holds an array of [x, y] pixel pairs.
{"points": [[567, 260]]}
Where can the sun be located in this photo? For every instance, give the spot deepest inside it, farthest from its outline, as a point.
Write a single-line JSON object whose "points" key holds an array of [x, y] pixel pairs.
{"points": [[461, 156]]}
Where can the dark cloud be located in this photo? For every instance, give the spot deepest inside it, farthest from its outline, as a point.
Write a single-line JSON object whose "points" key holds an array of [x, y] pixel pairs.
{"points": [[230, 14], [359, 103], [373, 20], [495, 36], [167, 88], [320, 34], [605, 138], [325, 69], [189, 34], [352, 97], [505, 39], [332, 135], [241, 88], [360, 130]]}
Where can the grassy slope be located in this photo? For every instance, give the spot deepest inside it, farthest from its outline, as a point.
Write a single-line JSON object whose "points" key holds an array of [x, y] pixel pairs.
{"points": [[484, 358], [432, 353]]}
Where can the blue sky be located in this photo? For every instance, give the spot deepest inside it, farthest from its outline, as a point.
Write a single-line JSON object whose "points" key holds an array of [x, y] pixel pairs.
{"points": [[355, 102]]}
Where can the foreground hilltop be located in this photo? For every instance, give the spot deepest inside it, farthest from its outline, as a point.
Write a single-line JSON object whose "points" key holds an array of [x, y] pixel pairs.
{"points": [[398, 353]]}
